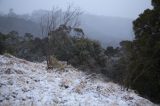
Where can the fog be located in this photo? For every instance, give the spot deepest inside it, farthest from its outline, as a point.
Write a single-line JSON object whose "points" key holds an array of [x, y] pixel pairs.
{"points": [[118, 8], [109, 21]]}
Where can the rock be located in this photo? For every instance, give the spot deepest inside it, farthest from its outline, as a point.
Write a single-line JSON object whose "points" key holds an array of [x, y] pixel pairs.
{"points": [[10, 82], [25, 90], [1, 84], [36, 80], [66, 86], [7, 98], [13, 96], [8, 71], [23, 99]]}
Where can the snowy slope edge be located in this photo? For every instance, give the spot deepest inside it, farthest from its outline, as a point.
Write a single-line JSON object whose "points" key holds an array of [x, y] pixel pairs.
{"points": [[23, 83]]}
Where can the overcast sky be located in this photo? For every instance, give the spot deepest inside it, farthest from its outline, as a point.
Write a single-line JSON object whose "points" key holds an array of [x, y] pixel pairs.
{"points": [[118, 8]]}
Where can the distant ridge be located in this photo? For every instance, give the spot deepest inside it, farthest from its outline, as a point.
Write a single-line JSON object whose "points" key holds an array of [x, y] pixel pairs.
{"points": [[108, 30]]}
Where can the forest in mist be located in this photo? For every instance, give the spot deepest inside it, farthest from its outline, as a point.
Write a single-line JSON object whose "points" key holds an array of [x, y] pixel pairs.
{"points": [[108, 30]]}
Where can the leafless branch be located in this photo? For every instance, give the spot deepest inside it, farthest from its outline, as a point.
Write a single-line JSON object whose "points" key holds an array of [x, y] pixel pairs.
{"points": [[54, 18]]}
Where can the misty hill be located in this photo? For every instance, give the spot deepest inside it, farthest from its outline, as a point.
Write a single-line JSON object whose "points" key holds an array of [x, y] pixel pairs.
{"points": [[108, 30], [20, 25]]}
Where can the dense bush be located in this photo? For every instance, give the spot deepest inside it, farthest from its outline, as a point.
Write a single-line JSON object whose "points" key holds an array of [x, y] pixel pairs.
{"points": [[79, 51], [142, 55]]}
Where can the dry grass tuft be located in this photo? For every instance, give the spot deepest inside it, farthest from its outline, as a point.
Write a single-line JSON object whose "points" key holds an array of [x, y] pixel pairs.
{"points": [[79, 88]]}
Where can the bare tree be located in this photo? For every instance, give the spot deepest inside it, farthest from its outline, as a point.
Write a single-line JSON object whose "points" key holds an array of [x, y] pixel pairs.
{"points": [[71, 16], [54, 19]]}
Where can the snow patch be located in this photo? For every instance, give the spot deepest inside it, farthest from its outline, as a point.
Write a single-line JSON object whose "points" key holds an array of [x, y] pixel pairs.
{"points": [[23, 83]]}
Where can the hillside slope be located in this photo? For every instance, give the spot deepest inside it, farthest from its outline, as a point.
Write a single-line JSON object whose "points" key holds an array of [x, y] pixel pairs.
{"points": [[20, 25], [23, 83], [108, 30]]}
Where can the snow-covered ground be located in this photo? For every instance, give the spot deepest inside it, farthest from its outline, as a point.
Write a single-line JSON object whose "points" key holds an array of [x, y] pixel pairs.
{"points": [[24, 83]]}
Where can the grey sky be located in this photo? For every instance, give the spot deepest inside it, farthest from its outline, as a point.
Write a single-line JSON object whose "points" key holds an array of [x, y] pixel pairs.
{"points": [[120, 8]]}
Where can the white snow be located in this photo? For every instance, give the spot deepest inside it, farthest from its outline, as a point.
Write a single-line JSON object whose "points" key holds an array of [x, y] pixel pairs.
{"points": [[24, 83]]}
